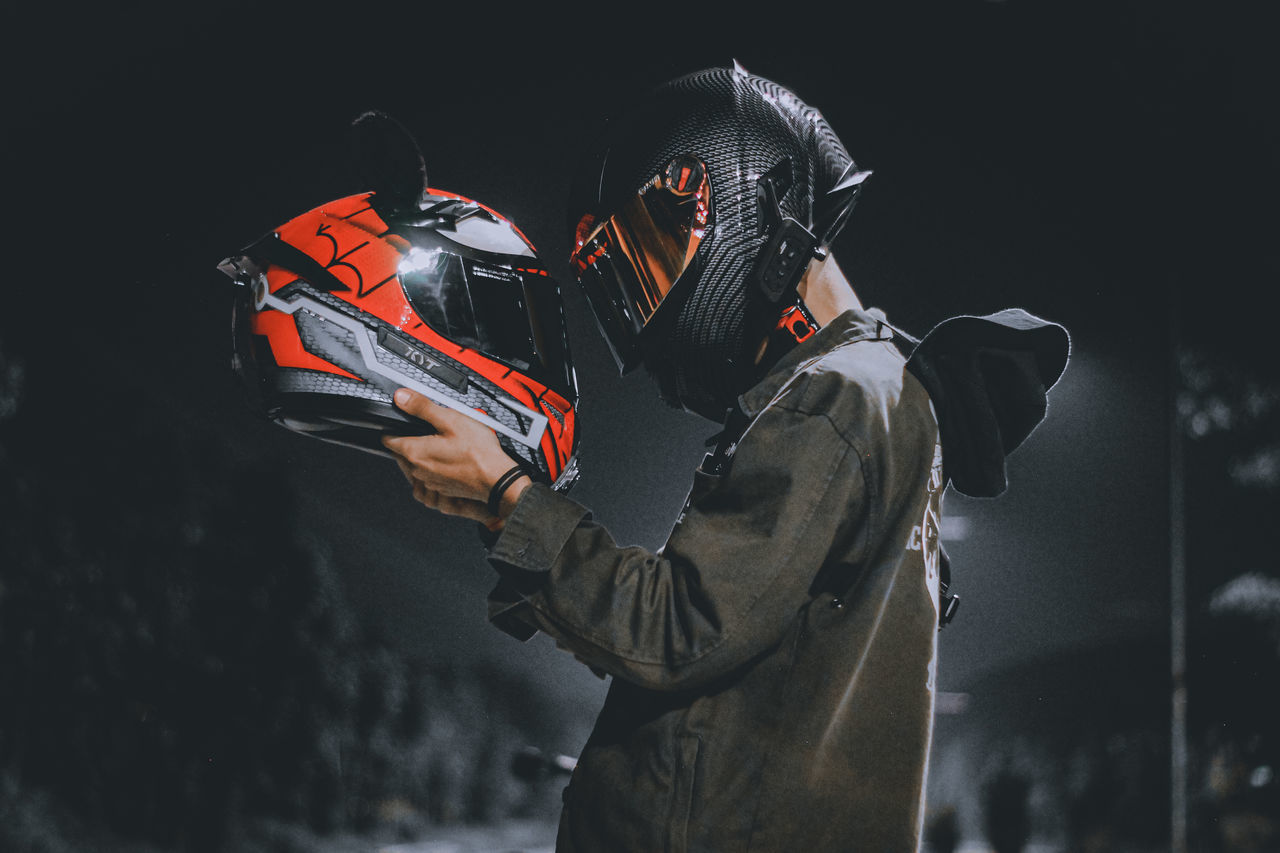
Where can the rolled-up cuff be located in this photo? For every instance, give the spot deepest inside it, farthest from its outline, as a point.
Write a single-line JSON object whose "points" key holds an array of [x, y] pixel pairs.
{"points": [[536, 531], [523, 553]]}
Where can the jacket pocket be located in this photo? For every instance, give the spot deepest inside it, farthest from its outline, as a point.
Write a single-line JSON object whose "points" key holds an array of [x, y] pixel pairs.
{"points": [[682, 793]]}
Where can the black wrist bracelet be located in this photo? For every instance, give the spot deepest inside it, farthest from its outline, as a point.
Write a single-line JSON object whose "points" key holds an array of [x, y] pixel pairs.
{"points": [[500, 487]]}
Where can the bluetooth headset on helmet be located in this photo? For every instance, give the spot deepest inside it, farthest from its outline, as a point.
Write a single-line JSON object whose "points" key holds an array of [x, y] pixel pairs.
{"points": [[405, 286]]}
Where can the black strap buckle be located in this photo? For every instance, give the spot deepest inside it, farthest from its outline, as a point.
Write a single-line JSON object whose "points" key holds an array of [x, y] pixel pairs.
{"points": [[948, 601], [726, 442], [948, 604]]}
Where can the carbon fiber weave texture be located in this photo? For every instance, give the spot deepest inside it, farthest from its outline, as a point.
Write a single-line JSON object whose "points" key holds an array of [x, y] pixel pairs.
{"points": [[741, 126]]}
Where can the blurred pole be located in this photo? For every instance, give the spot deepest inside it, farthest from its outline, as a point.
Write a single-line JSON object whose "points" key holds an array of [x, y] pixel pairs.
{"points": [[1177, 594]]}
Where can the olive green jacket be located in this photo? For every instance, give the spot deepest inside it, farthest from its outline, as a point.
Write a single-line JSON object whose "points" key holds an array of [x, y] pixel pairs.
{"points": [[773, 664]]}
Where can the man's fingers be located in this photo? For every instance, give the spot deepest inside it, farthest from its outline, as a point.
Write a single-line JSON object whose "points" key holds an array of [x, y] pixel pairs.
{"points": [[413, 456], [442, 418], [461, 507], [461, 459], [423, 454], [464, 508], [405, 447], [405, 468]]}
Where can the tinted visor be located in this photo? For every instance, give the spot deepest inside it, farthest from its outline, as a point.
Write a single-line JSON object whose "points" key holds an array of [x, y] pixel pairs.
{"points": [[508, 313], [629, 263]]}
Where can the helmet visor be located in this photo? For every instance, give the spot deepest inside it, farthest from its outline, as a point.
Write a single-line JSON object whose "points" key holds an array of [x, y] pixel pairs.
{"points": [[507, 313], [629, 263]]}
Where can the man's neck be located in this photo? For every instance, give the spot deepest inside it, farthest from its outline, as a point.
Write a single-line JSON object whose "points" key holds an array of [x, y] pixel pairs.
{"points": [[826, 291]]}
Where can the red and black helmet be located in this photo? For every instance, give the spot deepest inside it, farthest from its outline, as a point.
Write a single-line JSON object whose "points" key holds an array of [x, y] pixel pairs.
{"points": [[348, 302]]}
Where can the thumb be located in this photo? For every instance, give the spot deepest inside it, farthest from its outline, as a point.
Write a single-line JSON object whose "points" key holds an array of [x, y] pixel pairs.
{"points": [[420, 406]]}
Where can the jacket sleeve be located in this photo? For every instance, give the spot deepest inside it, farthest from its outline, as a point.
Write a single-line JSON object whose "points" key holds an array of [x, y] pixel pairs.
{"points": [[737, 566]]}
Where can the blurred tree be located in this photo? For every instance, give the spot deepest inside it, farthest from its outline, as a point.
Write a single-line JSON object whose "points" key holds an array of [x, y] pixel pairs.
{"points": [[1228, 405], [1225, 399]]}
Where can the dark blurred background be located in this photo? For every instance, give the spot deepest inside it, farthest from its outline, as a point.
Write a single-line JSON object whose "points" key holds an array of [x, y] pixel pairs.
{"points": [[216, 635]]}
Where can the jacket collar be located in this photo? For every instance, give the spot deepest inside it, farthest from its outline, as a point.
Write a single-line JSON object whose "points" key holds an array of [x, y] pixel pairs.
{"points": [[853, 325]]}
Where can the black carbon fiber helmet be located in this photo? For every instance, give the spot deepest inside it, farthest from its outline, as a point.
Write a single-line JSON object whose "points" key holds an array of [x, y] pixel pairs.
{"points": [[695, 217]]}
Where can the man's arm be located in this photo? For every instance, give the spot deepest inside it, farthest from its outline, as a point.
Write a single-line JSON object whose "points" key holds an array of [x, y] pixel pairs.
{"points": [[726, 585]]}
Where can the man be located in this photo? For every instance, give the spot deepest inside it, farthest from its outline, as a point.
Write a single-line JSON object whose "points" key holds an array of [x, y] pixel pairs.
{"points": [[773, 663]]}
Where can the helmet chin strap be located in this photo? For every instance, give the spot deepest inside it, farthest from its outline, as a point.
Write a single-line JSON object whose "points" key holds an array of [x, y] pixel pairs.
{"points": [[795, 325]]}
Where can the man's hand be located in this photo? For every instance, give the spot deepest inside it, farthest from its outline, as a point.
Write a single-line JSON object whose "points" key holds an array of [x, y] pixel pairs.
{"points": [[453, 470]]}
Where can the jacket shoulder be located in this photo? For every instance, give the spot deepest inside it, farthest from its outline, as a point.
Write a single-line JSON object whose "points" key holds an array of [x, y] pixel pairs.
{"points": [[864, 388]]}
